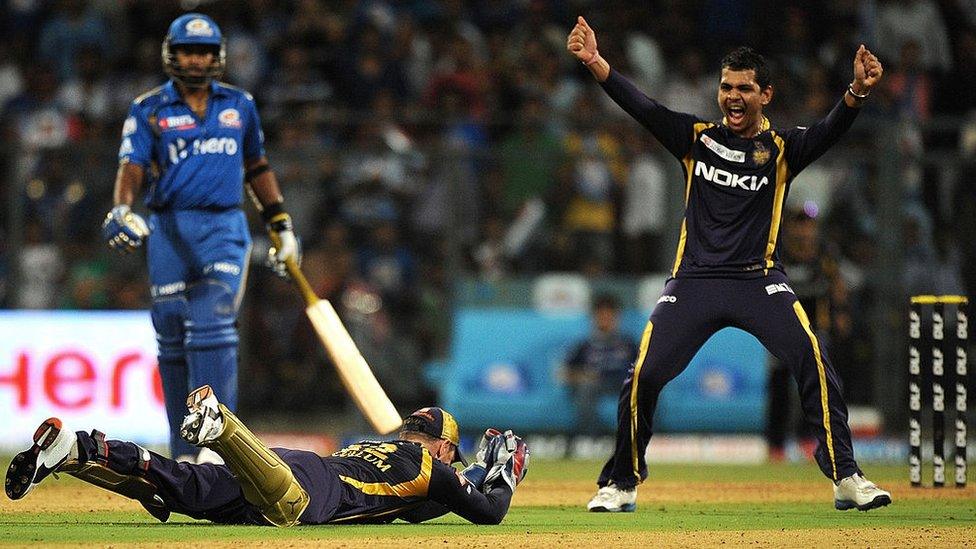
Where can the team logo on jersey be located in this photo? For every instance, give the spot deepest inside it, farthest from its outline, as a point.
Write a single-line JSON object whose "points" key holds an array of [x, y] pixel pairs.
{"points": [[229, 118], [181, 122], [761, 155], [722, 150], [198, 27]]}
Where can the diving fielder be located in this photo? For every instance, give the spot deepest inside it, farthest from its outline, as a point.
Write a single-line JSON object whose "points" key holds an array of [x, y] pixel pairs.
{"points": [[727, 270], [409, 479], [196, 141]]}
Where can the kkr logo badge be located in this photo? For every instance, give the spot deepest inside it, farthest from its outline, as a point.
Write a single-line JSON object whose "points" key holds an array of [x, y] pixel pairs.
{"points": [[761, 155]]}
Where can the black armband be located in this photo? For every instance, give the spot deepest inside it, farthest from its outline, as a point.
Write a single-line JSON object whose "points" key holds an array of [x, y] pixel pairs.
{"points": [[272, 210], [249, 175]]}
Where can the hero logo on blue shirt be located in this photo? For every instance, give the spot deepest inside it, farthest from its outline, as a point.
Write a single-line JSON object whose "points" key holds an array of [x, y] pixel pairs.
{"points": [[180, 149]]}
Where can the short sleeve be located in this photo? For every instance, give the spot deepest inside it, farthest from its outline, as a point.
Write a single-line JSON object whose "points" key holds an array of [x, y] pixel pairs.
{"points": [[137, 138], [253, 134]]}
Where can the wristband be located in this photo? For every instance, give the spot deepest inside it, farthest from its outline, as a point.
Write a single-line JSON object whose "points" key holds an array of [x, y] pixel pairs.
{"points": [[271, 211], [850, 90], [593, 59], [256, 171]]}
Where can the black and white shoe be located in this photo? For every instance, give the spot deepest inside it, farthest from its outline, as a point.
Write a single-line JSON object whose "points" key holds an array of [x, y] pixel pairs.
{"points": [[52, 446]]}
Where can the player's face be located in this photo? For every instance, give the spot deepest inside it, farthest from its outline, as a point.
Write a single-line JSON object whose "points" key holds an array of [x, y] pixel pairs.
{"points": [[742, 100], [194, 59], [606, 319], [443, 451]]}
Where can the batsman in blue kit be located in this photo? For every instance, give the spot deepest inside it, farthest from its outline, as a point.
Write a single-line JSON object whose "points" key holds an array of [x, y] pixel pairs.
{"points": [[195, 141], [410, 479], [727, 270]]}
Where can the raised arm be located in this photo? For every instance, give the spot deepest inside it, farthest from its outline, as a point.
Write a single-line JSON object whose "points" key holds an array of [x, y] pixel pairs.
{"points": [[674, 130], [581, 42], [805, 145]]}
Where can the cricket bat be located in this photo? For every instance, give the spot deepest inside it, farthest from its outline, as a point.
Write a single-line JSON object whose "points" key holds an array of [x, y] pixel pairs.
{"points": [[355, 373]]}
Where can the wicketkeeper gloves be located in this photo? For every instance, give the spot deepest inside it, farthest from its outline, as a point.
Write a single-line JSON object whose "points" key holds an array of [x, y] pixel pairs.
{"points": [[123, 229], [476, 472], [509, 456]]}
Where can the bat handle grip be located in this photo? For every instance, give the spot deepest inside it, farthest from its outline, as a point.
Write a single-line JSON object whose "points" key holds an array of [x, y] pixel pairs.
{"points": [[308, 294]]}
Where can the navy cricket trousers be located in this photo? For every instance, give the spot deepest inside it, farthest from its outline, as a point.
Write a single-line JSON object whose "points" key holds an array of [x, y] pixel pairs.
{"points": [[689, 311], [212, 492]]}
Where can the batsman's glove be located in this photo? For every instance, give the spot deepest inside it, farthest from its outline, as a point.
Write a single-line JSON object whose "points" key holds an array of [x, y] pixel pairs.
{"points": [[285, 244], [476, 472], [510, 460], [124, 230]]}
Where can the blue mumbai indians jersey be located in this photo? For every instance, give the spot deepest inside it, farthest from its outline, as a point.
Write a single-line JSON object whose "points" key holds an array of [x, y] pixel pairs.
{"points": [[193, 163]]}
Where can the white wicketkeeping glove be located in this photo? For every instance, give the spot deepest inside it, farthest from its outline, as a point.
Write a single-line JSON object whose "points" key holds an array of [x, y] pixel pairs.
{"points": [[476, 472], [510, 460]]}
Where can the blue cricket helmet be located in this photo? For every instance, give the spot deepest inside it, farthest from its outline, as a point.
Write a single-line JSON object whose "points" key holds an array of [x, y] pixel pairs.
{"points": [[194, 29]]}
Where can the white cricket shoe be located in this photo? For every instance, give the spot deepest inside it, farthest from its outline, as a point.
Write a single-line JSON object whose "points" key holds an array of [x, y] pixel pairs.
{"points": [[611, 499], [52, 446], [204, 423], [858, 492]]}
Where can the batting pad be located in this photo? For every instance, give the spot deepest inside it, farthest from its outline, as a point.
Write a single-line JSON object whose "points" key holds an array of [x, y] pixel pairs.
{"points": [[266, 480], [130, 486]]}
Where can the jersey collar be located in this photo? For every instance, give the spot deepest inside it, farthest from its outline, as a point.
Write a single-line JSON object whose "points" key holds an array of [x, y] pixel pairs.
{"points": [[171, 95], [763, 124]]}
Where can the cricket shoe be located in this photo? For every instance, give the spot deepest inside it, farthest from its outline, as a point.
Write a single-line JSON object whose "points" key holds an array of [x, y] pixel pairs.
{"points": [[611, 499], [52, 446], [204, 423], [858, 492]]}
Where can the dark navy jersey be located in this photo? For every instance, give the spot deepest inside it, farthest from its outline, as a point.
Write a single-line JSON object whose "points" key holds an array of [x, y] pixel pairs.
{"points": [[608, 355], [193, 162], [383, 481], [735, 188]]}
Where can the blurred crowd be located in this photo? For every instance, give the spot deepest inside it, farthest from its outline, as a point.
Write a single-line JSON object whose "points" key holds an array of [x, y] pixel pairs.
{"points": [[418, 141]]}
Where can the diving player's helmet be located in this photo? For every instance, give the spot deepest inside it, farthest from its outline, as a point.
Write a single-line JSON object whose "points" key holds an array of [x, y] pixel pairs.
{"points": [[194, 29]]}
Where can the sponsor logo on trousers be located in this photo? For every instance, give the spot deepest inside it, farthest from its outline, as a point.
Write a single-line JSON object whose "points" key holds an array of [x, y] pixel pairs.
{"points": [[776, 288]]}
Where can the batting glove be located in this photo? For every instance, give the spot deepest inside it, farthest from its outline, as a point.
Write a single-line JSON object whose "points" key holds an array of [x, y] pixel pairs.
{"points": [[510, 460], [285, 245], [123, 229], [476, 472]]}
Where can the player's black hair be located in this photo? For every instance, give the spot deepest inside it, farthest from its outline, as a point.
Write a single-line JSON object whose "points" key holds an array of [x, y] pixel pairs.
{"points": [[743, 59], [606, 301]]}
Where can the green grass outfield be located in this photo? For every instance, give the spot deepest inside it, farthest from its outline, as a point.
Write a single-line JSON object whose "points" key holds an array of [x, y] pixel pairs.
{"points": [[677, 499]]}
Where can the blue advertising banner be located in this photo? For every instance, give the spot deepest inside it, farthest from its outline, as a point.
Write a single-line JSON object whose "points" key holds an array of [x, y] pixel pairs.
{"points": [[505, 363]]}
